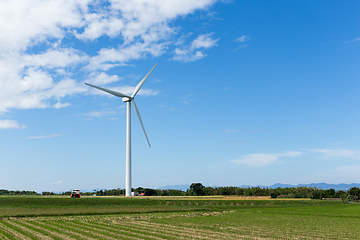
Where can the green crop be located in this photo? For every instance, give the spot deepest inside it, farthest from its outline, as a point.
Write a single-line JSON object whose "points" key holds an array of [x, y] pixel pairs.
{"points": [[168, 218]]}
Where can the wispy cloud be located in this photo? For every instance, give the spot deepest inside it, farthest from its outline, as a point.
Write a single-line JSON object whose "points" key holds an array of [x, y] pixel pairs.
{"points": [[264, 159], [187, 98], [240, 47], [58, 182], [353, 40], [98, 114], [156, 80], [243, 38], [258, 130], [230, 131], [192, 52], [45, 136], [337, 143], [291, 154], [337, 153], [340, 174], [8, 124]]}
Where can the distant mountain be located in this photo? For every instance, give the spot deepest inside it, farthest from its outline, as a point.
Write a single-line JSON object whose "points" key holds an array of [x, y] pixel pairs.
{"points": [[324, 186], [276, 185], [183, 187], [341, 186]]}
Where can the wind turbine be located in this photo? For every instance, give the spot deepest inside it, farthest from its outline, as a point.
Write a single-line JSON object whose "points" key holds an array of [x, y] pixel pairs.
{"points": [[128, 99]]}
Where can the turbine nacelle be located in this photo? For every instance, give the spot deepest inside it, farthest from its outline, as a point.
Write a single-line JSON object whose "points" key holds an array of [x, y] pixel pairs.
{"points": [[126, 99]]}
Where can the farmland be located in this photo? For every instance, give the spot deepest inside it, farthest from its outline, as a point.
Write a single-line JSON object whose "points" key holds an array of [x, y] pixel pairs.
{"points": [[175, 218]]}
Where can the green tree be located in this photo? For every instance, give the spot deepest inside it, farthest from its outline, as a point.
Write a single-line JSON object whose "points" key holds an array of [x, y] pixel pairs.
{"points": [[328, 193], [316, 194], [150, 192], [239, 191], [208, 191], [300, 195], [354, 191], [340, 194], [197, 189], [47, 193], [275, 194], [139, 190]]}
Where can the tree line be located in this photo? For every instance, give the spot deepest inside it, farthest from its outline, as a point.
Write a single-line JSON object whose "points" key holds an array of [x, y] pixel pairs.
{"points": [[197, 189], [23, 192]]}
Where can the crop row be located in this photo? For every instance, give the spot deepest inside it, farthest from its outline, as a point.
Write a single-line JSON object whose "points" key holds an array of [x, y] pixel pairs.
{"points": [[75, 229], [251, 223]]}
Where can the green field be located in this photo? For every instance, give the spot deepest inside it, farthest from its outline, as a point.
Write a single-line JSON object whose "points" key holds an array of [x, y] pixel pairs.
{"points": [[175, 218]]}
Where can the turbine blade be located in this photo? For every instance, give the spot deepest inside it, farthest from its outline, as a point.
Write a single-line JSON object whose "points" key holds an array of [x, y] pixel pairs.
{"points": [[115, 93], [142, 125], [137, 89]]}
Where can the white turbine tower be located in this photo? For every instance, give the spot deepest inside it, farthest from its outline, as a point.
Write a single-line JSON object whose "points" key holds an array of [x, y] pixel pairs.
{"points": [[128, 99]]}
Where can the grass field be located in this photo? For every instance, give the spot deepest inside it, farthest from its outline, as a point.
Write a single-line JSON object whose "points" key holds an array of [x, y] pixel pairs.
{"points": [[175, 218]]}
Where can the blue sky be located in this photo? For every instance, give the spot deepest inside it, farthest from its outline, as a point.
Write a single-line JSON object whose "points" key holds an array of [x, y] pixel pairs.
{"points": [[244, 93]]}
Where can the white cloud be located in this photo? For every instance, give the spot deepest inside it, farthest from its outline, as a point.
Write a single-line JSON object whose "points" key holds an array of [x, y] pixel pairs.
{"points": [[191, 53], [144, 18], [54, 58], [7, 124], [187, 56], [26, 23], [337, 153], [37, 66], [243, 38], [25, 83], [263, 159], [45, 136], [257, 159], [58, 182], [291, 154], [102, 78], [99, 114], [109, 57], [203, 41], [61, 105]]}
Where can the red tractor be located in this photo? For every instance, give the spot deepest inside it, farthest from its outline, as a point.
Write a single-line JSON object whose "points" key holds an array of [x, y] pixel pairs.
{"points": [[75, 193]]}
